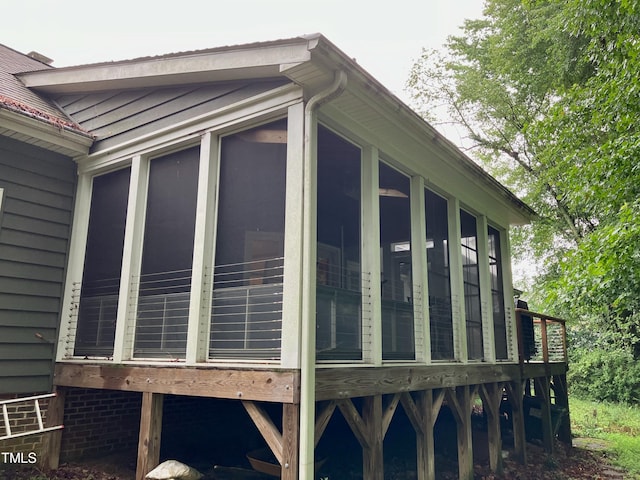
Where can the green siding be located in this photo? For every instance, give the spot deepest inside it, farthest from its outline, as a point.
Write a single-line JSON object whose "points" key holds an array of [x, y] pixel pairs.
{"points": [[34, 235]]}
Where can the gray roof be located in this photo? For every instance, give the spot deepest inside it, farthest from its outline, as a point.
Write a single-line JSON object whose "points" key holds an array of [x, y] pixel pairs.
{"points": [[16, 97]]}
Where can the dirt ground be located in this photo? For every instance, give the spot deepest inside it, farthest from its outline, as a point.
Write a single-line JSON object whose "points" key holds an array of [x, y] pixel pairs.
{"points": [[577, 463]]}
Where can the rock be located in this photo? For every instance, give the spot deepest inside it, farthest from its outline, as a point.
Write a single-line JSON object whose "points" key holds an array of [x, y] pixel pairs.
{"points": [[173, 470]]}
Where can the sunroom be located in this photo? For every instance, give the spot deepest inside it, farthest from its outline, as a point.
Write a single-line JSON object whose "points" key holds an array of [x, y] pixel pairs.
{"points": [[195, 254]]}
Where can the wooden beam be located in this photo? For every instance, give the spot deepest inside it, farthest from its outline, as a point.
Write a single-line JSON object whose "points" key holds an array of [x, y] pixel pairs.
{"points": [[266, 427], [150, 433], [416, 417], [388, 413], [491, 395], [515, 395], [460, 399], [51, 441], [355, 422], [543, 393], [372, 457], [562, 401], [334, 383], [272, 385], [290, 441], [322, 420]]}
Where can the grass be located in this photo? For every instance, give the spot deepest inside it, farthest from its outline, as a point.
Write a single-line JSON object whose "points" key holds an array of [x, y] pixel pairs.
{"points": [[617, 424]]}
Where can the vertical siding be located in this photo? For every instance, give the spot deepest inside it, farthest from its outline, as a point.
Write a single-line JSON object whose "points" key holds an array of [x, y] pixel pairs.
{"points": [[34, 233]]}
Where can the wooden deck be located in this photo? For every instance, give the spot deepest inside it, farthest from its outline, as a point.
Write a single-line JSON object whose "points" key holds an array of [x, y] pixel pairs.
{"points": [[421, 390]]}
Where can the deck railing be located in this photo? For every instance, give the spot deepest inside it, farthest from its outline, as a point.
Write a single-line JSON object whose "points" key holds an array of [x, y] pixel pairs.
{"points": [[541, 338]]}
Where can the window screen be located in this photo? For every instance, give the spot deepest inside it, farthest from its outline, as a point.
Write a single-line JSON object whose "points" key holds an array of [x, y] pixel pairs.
{"points": [[102, 264], [439, 281], [339, 276], [471, 277], [497, 293], [165, 280], [397, 283], [246, 319]]}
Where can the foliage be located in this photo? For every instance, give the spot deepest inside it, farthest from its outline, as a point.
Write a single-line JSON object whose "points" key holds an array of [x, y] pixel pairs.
{"points": [[605, 375], [547, 91], [617, 424]]}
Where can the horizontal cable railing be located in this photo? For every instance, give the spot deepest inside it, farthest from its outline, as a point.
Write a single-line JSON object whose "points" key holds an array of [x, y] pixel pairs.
{"points": [[162, 313], [246, 310], [541, 338]]}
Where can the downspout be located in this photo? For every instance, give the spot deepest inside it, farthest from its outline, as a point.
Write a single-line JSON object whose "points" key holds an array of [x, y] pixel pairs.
{"points": [[307, 330]]}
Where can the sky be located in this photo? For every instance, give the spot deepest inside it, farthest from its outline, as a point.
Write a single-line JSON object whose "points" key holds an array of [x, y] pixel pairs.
{"points": [[385, 38]]}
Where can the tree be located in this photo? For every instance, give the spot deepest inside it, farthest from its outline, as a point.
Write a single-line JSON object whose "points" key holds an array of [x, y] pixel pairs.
{"points": [[547, 93]]}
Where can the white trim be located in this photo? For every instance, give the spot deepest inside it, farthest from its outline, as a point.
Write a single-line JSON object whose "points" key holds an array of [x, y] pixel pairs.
{"points": [[509, 310], [290, 353], [199, 322], [75, 266], [419, 272], [457, 283], [486, 303], [131, 259]]}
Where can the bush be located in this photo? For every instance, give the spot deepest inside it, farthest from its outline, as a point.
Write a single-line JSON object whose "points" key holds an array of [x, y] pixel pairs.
{"points": [[605, 375]]}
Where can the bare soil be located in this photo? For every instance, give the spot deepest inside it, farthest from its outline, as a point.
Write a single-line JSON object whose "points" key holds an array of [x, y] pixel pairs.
{"points": [[577, 463]]}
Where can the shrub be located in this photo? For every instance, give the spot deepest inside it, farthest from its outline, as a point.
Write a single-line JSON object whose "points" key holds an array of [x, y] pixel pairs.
{"points": [[605, 375]]}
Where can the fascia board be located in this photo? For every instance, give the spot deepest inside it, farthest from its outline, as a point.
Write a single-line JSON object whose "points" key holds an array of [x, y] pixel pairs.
{"points": [[207, 66]]}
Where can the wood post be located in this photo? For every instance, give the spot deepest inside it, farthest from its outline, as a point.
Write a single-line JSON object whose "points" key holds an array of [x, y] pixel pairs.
{"points": [[562, 401], [543, 393], [150, 433], [491, 395], [515, 395], [284, 445], [459, 399], [51, 441]]}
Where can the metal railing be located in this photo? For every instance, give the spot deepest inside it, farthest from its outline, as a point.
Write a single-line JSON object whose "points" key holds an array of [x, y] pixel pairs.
{"points": [[541, 338]]}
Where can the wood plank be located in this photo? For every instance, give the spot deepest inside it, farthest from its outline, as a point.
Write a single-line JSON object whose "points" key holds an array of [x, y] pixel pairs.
{"points": [[491, 395], [50, 450], [233, 383], [150, 433], [372, 456], [334, 383], [388, 413], [266, 427], [515, 395], [355, 422], [460, 399], [290, 441], [322, 420]]}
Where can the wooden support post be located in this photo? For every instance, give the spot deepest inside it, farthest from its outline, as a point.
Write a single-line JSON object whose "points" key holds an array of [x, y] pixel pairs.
{"points": [[491, 395], [423, 414], [368, 430], [50, 457], [372, 458], [543, 393], [562, 401], [290, 440], [459, 399], [515, 395], [150, 433]]}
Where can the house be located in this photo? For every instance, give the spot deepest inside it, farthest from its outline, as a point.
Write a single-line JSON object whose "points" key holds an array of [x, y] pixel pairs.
{"points": [[263, 224]]}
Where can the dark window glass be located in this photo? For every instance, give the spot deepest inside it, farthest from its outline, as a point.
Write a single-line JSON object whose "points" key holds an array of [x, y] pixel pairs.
{"points": [[246, 317], [438, 276], [339, 277], [396, 275], [497, 293], [165, 280], [471, 277], [102, 264]]}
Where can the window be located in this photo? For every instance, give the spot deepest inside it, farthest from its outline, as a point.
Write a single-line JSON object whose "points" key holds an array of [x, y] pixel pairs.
{"points": [[102, 264], [339, 277], [441, 325], [471, 277], [167, 254], [497, 294], [396, 272], [246, 318]]}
